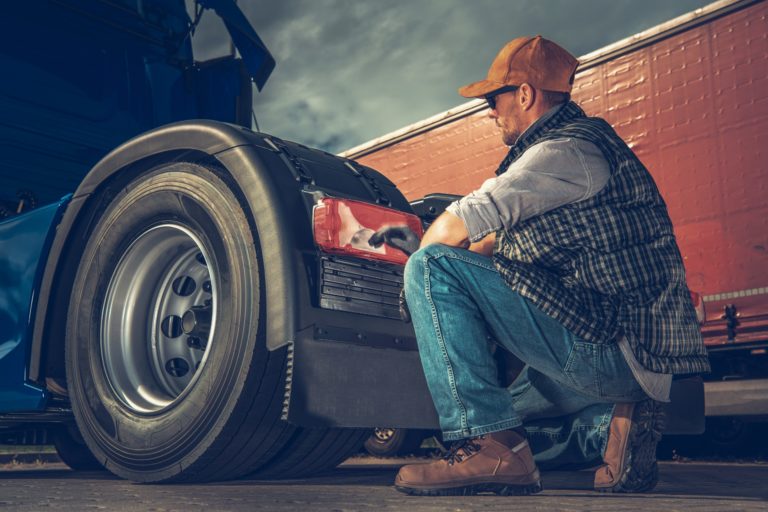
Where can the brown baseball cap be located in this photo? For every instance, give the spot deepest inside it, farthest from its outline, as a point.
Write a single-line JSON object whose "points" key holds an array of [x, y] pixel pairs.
{"points": [[533, 60]]}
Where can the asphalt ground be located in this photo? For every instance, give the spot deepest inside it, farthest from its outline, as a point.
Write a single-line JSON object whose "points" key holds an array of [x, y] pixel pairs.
{"points": [[365, 484]]}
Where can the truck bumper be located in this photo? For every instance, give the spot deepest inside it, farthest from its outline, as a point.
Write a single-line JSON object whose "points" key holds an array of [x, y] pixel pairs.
{"points": [[736, 397], [335, 383]]}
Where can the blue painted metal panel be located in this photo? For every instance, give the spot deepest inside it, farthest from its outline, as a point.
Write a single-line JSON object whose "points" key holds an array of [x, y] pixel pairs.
{"points": [[24, 244], [80, 77]]}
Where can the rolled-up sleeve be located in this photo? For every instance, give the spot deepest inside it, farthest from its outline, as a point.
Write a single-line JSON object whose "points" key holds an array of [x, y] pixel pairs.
{"points": [[548, 175]]}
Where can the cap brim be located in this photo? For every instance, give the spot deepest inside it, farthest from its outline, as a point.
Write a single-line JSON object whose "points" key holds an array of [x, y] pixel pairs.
{"points": [[480, 89]]}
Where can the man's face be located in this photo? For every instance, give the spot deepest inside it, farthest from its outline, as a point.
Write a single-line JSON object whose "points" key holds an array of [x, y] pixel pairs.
{"points": [[508, 117]]}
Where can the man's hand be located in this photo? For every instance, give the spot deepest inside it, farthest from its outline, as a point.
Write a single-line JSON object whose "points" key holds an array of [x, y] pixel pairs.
{"points": [[398, 236], [405, 313], [403, 238], [484, 246]]}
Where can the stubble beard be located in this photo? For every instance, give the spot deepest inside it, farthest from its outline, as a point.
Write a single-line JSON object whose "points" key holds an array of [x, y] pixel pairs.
{"points": [[509, 137], [510, 134]]}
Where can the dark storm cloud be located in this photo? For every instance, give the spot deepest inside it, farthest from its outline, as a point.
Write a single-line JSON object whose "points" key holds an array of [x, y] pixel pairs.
{"points": [[350, 71]]}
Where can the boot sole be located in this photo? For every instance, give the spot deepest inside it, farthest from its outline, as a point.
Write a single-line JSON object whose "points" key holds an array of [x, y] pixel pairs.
{"points": [[499, 489], [641, 471]]}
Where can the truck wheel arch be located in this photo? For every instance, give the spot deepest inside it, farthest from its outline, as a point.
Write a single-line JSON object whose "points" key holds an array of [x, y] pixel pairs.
{"points": [[229, 148]]}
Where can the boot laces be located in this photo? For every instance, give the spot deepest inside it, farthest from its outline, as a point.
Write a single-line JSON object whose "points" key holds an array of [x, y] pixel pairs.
{"points": [[460, 450]]}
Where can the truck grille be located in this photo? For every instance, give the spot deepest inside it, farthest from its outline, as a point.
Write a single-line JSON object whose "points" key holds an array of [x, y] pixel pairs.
{"points": [[360, 286]]}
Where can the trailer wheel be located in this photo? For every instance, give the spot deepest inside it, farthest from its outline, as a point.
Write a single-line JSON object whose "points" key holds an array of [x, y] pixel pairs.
{"points": [[167, 367], [391, 442], [727, 436], [73, 452]]}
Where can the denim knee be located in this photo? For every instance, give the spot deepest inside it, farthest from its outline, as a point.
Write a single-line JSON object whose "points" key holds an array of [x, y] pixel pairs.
{"points": [[416, 267], [413, 275]]}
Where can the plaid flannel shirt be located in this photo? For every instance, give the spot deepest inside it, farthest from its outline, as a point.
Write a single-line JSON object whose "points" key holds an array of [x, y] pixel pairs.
{"points": [[609, 265]]}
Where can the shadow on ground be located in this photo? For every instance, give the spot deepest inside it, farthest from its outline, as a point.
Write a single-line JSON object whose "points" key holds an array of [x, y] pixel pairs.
{"points": [[679, 480]]}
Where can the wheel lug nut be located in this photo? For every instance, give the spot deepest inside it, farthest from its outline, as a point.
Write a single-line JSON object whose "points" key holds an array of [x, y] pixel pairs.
{"points": [[194, 342]]}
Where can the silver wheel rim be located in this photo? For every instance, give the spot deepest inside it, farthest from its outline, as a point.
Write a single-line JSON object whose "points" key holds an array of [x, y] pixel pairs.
{"points": [[383, 434], [158, 319]]}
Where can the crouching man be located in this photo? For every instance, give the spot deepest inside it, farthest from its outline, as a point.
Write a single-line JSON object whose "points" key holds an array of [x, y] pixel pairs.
{"points": [[585, 284]]}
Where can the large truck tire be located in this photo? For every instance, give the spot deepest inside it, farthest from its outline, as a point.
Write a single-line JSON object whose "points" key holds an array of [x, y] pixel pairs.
{"points": [[73, 452], [313, 450], [167, 367]]}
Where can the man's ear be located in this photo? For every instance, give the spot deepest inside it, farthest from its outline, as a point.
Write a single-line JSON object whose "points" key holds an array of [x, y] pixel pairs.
{"points": [[526, 96]]}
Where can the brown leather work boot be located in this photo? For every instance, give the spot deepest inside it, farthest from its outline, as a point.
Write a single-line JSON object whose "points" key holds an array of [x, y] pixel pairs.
{"points": [[630, 455], [499, 463]]}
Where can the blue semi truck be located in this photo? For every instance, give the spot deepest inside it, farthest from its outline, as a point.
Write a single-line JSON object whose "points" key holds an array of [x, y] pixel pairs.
{"points": [[183, 299], [166, 310]]}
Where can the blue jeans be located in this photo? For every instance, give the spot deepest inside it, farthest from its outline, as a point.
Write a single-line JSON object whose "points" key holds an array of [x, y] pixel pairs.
{"points": [[564, 396]]}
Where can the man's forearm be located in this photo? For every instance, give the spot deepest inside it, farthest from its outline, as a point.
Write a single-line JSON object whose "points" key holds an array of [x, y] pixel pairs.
{"points": [[448, 229]]}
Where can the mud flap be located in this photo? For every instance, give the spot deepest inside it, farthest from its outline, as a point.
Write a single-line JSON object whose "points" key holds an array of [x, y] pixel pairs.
{"points": [[685, 411], [339, 384]]}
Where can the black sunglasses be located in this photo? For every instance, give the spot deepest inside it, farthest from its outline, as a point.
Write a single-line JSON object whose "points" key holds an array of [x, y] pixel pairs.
{"points": [[491, 98]]}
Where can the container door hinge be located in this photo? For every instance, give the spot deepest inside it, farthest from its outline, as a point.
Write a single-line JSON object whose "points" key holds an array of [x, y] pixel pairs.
{"points": [[730, 315]]}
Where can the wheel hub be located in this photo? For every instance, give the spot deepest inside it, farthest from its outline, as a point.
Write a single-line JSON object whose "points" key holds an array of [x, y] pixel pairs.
{"points": [[158, 318], [384, 434], [196, 324]]}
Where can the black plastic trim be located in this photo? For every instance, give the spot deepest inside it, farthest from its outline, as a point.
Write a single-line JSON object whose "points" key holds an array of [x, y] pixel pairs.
{"points": [[360, 286], [364, 338], [431, 206], [374, 386]]}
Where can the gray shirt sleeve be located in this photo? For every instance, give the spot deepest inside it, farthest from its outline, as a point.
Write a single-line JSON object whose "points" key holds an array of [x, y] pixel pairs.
{"points": [[548, 175]]}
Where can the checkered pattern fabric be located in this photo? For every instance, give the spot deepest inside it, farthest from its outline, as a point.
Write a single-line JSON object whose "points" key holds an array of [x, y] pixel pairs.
{"points": [[607, 266]]}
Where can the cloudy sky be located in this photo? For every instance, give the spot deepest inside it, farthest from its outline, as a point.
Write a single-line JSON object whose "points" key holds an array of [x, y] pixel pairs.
{"points": [[352, 70]]}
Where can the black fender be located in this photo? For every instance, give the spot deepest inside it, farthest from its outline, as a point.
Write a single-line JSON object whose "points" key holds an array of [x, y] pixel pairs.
{"points": [[270, 179], [345, 367]]}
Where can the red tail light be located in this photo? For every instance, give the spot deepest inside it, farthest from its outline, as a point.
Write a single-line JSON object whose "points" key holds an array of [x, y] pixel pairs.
{"points": [[343, 226], [698, 305]]}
